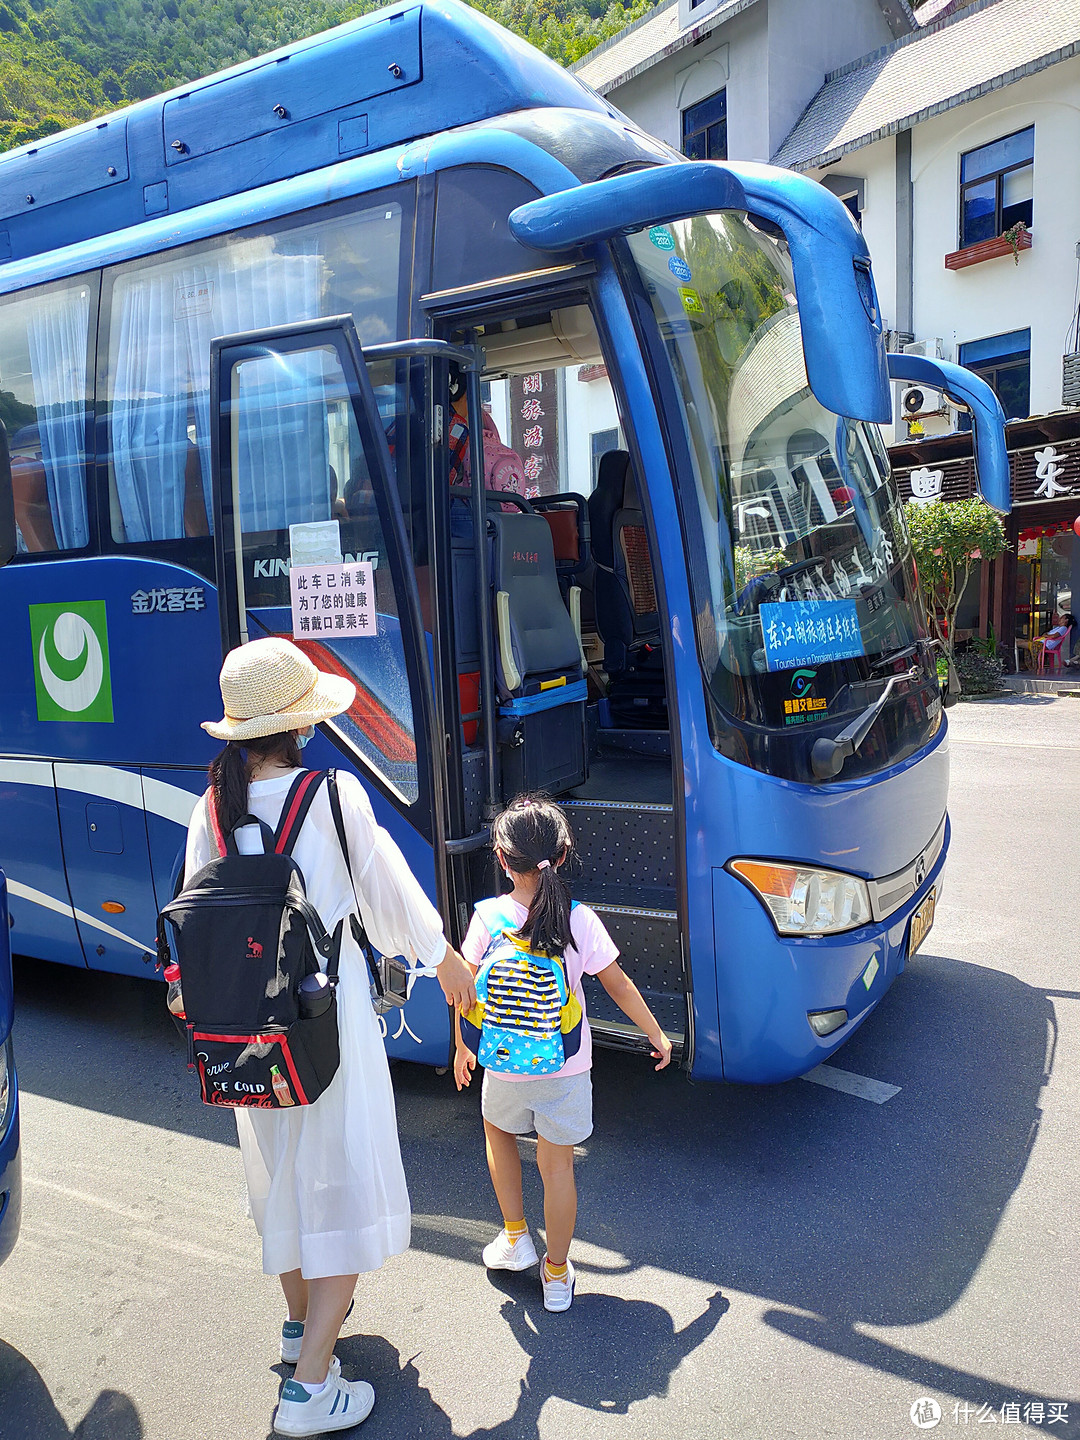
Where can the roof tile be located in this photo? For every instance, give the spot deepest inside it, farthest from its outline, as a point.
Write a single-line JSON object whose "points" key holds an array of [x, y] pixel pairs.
{"points": [[991, 44]]}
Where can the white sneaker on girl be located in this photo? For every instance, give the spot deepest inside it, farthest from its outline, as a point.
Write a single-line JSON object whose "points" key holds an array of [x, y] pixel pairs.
{"points": [[558, 1294], [506, 1254], [339, 1405]]}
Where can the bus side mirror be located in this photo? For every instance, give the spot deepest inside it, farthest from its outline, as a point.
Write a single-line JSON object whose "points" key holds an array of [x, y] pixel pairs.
{"points": [[7, 502], [965, 388]]}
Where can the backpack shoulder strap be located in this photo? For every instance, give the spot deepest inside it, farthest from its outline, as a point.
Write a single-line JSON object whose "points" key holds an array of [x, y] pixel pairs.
{"points": [[495, 914], [356, 919], [294, 812]]}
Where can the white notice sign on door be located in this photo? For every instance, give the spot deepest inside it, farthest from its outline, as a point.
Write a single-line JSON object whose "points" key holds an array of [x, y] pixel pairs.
{"points": [[334, 600]]}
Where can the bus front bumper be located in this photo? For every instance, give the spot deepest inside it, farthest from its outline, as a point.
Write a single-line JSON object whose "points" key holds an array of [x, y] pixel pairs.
{"points": [[768, 985]]}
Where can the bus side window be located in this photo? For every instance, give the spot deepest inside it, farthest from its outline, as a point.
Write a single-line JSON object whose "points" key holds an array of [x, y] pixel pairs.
{"points": [[472, 237], [44, 404], [161, 314]]}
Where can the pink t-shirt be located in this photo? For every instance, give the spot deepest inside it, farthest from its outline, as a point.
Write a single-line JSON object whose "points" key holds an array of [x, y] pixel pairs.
{"points": [[593, 950]]}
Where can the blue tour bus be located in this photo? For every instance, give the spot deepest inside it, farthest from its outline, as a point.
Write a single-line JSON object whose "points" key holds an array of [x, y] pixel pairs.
{"points": [[10, 1165], [10, 1169], [237, 319]]}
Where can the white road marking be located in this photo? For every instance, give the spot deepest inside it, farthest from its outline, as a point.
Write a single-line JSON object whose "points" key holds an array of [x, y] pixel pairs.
{"points": [[862, 1086]]}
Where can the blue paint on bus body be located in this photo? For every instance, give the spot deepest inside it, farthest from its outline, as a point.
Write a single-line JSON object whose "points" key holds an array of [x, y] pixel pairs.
{"points": [[137, 777], [10, 1162]]}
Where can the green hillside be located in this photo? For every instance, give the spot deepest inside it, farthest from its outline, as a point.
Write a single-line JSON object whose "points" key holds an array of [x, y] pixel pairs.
{"points": [[64, 62]]}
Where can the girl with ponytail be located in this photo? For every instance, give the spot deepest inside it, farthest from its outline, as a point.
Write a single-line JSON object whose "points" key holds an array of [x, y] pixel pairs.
{"points": [[532, 843]]}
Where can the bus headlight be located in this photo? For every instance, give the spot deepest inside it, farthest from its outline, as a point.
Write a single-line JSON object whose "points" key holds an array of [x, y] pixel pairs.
{"points": [[803, 900], [6, 1087]]}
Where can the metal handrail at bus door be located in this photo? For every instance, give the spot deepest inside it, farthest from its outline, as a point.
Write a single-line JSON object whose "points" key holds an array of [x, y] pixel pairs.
{"points": [[471, 360]]}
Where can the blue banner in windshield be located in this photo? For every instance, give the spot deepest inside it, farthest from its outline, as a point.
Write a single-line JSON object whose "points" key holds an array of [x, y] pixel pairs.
{"points": [[810, 632]]}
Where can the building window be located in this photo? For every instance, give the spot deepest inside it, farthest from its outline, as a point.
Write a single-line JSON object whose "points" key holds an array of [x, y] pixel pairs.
{"points": [[996, 187], [601, 441], [704, 129], [1004, 362]]}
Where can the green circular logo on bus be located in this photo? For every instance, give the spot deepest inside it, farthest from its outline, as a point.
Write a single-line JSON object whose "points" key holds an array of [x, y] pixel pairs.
{"points": [[661, 238]]}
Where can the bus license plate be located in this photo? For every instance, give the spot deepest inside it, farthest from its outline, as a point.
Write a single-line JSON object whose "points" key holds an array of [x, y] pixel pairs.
{"points": [[921, 922]]}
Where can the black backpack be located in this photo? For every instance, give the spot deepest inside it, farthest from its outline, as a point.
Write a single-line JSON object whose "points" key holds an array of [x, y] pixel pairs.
{"points": [[246, 937]]}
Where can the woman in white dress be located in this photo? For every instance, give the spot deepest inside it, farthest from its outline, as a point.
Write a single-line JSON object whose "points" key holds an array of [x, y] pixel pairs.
{"points": [[325, 1181]]}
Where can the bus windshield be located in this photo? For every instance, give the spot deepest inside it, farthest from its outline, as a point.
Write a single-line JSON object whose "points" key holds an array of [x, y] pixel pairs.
{"points": [[799, 555]]}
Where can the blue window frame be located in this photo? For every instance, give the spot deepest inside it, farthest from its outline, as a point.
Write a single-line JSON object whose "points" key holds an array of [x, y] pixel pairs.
{"points": [[704, 128], [1004, 362], [996, 187]]}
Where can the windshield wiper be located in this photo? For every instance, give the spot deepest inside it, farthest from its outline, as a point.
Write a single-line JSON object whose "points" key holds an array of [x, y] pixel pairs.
{"points": [[829, 752], [894, 655]]}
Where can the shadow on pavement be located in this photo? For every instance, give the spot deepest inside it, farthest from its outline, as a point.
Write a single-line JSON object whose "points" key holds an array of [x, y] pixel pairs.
{"points": [[851, 1213], [28, 1411], [88, 1038], [578, 1362]]}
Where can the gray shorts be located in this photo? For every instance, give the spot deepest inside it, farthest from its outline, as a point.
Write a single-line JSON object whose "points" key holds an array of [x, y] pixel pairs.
{"points": [[557, 1107]]}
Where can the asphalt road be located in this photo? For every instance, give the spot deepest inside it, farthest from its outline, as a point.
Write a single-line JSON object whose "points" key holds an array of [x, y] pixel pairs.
{"points": [[753, 1264]]}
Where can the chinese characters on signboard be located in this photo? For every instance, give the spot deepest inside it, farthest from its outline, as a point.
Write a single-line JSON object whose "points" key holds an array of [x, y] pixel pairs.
{"points": [[333, 599], [168, 600], [534, 429], [810, 632]]}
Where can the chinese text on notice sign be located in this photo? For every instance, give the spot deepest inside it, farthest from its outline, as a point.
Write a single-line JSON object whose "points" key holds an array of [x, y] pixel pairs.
{"points": [[333, 600]]}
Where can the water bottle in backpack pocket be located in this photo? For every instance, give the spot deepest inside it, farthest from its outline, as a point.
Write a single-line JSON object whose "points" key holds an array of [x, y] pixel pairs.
{"points": [[526, 1020]]}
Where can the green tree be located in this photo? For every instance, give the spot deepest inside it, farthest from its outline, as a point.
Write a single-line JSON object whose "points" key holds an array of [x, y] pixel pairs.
{"points": [[948, 539]]}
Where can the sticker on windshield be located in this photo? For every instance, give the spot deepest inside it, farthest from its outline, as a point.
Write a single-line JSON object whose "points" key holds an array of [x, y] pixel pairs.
{"points": [[661, 238], [802, 704], [338, 599], [691, 301], [810, 632], [679, 268]]}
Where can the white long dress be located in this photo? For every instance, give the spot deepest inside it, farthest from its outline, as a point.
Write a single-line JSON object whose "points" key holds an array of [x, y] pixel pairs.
{"points": [[325, 1182]]}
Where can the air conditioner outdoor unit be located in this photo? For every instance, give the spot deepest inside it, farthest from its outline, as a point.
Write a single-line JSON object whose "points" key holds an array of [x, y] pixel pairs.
{"points": [[917, 401], [928, 349]]}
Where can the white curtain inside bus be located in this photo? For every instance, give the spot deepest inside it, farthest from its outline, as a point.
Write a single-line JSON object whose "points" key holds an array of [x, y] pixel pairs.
{"points": [[161, 376], [43, 405]]}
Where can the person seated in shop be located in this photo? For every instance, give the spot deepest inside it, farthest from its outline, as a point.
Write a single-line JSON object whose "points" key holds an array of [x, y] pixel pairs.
{"points": [[1059, 638]]}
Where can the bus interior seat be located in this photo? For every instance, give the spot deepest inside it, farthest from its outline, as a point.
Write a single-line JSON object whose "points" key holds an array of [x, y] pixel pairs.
{"points": [[625, 595], [539, 661], [567, 515]]}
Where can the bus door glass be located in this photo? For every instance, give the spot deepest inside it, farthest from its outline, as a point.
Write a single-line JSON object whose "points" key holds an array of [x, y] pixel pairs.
{"points": [[301, 484]]}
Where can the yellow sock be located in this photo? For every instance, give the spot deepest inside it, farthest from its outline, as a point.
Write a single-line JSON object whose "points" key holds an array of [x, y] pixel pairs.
{"points": [[555, 1272], [514, 1230]]}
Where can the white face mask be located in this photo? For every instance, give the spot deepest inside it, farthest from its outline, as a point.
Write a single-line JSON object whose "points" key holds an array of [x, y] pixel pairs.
{"points": [[303, 736]]}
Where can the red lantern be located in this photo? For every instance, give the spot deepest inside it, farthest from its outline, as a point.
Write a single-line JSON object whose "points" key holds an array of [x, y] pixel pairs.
{"points": [[1076, 525]]}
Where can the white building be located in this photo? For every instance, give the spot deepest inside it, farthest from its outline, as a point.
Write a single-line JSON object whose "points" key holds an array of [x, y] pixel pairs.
{"points": [[952, 136], [729, 79]]}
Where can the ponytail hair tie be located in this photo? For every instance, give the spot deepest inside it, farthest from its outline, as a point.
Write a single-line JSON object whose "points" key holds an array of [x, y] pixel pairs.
{"points": [[543, 864]]}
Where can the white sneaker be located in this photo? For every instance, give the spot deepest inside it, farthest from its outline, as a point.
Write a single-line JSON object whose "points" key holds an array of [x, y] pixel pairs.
{"points": [[506, 1254], [339, 1405], [292, 1337], [558, 1294]]}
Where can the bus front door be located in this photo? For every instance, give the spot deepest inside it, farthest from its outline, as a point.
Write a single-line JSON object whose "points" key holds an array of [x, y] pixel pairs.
{"points": [[311, 544]]}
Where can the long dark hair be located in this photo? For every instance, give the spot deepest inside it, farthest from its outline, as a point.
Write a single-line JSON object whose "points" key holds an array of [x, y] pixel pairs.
{"points": [[230, 772], [532, 833]]}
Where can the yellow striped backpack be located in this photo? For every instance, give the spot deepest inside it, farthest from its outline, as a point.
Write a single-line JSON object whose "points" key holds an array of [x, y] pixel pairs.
{"points": [[526, 1020]]}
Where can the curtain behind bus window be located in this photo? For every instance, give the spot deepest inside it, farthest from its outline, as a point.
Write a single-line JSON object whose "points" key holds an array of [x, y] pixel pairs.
{"points": [[43, 404], [163, 314]]}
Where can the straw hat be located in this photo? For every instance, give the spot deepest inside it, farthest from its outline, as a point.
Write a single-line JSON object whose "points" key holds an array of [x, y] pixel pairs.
{"points": [[270, 686]]}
